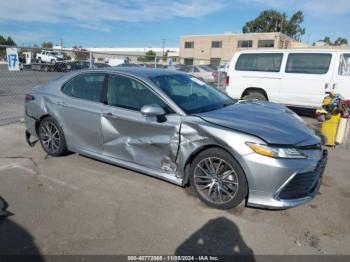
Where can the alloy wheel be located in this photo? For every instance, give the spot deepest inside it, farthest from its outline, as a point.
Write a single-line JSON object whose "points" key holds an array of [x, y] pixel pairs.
{"points": [[50, 136], [216, 180]]}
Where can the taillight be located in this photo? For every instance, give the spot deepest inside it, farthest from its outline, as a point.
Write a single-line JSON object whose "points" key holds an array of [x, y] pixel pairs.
{"points": [[29, 98], [227, 80]]}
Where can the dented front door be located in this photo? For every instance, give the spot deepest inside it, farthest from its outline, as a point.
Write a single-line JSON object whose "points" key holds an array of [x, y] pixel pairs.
{"points": [[130, 136]]}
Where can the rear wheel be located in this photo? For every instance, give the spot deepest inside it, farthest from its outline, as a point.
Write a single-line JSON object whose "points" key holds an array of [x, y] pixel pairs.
{"points": [[51, 137], [255, 95], [217, 179]]}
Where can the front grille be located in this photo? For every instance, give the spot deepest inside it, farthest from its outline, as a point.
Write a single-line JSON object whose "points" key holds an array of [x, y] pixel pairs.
{"points": [[304, 184], [310, 147], [301, 185]]}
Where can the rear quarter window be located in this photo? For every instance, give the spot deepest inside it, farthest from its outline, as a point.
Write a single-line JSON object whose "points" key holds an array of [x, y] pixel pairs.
{"points": [[308, 63], [344, 65], [87, 86], [264, 62]]}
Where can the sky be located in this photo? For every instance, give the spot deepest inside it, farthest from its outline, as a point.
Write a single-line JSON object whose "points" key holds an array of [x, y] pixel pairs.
{"points": [[144, 23]]}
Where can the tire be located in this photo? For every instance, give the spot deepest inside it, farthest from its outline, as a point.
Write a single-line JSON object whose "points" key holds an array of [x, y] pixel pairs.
{"points": [[53, 61], [52, 137], [224, 189], [255, 95], [39, 60]]}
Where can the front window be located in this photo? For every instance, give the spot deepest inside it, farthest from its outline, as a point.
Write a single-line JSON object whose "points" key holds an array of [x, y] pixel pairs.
{"points": [[190, 94], [344, 65], [130, 94]]}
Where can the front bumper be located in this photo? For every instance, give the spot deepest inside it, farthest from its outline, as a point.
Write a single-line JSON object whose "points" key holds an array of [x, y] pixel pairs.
{"points": [[284, 183]]}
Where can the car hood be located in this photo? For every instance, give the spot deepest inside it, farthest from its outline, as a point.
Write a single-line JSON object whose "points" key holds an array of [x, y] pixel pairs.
{"points": [[274, 123]]}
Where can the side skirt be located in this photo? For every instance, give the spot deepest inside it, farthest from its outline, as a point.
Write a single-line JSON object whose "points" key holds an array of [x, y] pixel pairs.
{"points": [[170, 177]]}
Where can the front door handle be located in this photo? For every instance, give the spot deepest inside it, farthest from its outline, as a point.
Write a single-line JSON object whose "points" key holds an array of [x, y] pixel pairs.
{"points": [[60, 103], [109, 115]]}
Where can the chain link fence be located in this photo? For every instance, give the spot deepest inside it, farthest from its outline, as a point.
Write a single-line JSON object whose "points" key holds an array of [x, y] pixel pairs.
{"points": [[38, 66]]}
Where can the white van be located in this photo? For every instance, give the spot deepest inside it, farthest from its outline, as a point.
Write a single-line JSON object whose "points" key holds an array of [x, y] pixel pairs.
{"points": [[293, 77]]}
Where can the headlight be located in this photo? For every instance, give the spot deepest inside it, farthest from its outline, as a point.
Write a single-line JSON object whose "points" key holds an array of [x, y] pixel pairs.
{"points": [[276, 152]]}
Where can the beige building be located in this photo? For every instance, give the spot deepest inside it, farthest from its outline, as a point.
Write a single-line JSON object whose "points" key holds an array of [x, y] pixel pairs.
{"points": [[216, 49]]}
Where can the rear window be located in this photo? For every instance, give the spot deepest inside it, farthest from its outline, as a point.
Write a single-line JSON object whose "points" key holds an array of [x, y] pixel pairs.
{"points": [[344, 65], [88, 87], [308, 63], [259, 62]]}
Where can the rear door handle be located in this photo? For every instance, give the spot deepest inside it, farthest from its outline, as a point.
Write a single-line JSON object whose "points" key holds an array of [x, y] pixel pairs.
{"points": [[109, 115]]}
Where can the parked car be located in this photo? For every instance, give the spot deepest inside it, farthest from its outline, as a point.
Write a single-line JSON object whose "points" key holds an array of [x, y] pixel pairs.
{"points": [[49, 57], [291, 77], [82, 64], [173, 126], [207, 73], [100, 65], [129, 65]]}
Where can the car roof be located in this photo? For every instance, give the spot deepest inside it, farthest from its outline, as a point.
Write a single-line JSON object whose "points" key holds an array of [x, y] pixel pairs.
{"points": [[142, 71], [139, 72]]}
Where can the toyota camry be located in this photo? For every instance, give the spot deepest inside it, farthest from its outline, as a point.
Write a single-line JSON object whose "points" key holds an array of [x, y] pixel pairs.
{"points": [[175, 127]]}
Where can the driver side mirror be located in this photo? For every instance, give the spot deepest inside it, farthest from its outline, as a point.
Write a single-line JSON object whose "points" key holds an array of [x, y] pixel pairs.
{"points": [[154, 110]]}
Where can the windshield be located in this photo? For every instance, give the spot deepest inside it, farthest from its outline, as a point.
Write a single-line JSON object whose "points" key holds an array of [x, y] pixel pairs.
{"points": [[191, 94]]}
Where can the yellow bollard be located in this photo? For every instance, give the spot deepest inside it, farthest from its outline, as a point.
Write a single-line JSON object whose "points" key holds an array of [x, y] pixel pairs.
{"points": [[330, 128]]}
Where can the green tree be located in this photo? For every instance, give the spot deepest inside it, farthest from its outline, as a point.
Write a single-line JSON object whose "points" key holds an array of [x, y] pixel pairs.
{"points": [[5, 41], [47, 45], [274, 21], [338, 42], [150, 55], [80, 53], [327, 40], [341, 41]]}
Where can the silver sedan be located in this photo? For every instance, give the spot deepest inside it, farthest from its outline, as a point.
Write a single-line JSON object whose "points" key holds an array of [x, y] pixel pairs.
{"points": [[175, 127]]}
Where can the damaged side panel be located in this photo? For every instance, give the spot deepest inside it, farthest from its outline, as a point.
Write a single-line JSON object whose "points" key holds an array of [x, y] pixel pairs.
{"points": [[197, 134], [132, 137]]}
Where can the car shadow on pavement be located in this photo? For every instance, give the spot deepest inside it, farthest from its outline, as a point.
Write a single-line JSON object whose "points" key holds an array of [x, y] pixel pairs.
{"points": [[218, 237], [15, 240]]}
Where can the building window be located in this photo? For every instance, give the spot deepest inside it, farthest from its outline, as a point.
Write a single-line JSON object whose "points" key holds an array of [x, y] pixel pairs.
{"points": [[188, 61], [308, 63], [259, 62], [189, 44], [216, 44], [245, 44], [266, 43], [215, 61]]}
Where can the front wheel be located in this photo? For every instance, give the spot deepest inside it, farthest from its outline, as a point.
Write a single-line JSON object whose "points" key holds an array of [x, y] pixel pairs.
{"points": [[51, 137], [217, 179]]}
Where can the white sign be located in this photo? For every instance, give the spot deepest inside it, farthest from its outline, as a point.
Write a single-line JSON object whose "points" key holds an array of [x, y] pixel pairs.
{"points": [[12, 59]]}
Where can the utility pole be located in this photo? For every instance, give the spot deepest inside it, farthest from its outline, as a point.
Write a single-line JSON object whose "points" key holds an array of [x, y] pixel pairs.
{"points": [[163, 44], [61, 44]]}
